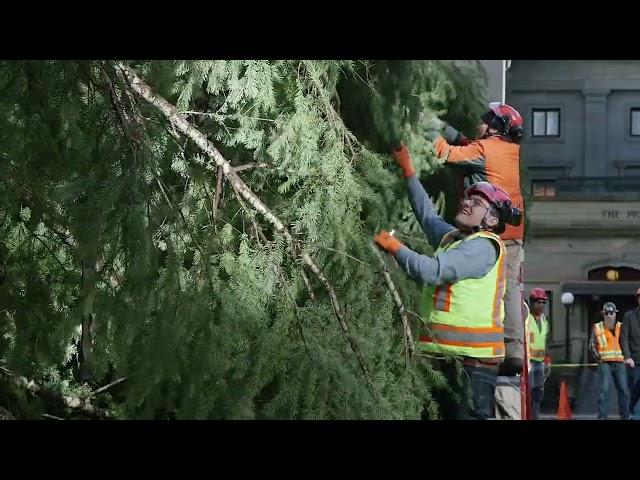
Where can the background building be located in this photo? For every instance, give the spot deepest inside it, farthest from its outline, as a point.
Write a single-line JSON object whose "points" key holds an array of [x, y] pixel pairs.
{"points": [[581, 151]]}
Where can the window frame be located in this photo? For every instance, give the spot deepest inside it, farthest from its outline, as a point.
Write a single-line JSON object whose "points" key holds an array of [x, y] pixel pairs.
{"points": [[631, 111], [546, 110], [547, 181]]}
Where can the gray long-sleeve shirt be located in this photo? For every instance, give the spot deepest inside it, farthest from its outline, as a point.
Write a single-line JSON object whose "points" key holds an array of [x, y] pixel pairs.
{"points": [[471, 259]]}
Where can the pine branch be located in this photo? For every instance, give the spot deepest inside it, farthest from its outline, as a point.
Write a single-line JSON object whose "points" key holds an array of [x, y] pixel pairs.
{"points": [[70, 401], [213, 203], [261, 236], [65, 236], [37, 237], [172, 114], [408, 336], [116, 102], [194, 234]]}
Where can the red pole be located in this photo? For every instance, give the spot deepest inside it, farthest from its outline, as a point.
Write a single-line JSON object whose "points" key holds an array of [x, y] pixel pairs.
{"points": [[525, 400]]}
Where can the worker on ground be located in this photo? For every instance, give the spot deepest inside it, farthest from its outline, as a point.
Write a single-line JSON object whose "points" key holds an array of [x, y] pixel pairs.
{"points": [[630, 343], [495, 158], [605, 346], [464, 286], [538, 328], [508, 396]]}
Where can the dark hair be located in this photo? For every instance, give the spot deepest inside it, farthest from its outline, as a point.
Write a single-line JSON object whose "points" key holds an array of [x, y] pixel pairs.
{"points": [[506, 214]]}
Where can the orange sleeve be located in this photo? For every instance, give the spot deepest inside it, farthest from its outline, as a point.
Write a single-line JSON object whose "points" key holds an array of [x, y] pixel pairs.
{"points": [[469, 157]]}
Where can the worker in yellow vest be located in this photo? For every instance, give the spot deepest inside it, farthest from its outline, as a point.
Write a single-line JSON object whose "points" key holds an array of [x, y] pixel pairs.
{"points": [[605, 346], [538, 330], [464, 287]]}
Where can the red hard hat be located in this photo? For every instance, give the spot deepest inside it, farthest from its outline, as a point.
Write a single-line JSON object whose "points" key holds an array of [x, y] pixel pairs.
{"points": [[500, 200], [506, 120], [502, 110], [493, 194], [538, 294]]}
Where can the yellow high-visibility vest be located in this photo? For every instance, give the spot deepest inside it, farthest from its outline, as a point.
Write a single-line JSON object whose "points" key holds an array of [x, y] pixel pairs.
{"points": [[537, 337], [465, 318]]}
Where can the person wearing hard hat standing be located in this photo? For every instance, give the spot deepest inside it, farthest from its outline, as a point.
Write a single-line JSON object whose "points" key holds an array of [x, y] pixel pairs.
{"points": [[464, 286], [630, 343], [605, 346], [495, 158], [538, 327]]}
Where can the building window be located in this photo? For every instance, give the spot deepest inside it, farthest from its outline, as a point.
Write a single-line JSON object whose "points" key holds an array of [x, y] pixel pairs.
{"points": [[635, 122], [543, 188], [546, 122]]}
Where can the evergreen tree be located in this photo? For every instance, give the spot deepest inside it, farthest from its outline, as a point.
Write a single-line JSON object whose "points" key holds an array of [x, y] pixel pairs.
{"points": [[239, 282]]}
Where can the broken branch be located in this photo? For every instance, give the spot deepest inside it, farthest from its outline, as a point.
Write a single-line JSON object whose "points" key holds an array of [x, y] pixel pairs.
{"points": [[408, 336], [181, 123], [70, 401]]}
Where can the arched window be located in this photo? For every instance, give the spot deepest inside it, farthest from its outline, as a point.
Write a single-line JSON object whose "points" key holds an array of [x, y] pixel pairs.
{"points": [[610, 273]]}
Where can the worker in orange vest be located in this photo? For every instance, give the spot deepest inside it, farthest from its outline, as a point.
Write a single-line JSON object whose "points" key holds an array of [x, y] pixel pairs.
{"points": [[605, 346]]}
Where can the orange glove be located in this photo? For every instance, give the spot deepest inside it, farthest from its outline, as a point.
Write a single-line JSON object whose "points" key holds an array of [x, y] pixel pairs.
{"points": [[403, 157], [387, 241], [547, 359]]}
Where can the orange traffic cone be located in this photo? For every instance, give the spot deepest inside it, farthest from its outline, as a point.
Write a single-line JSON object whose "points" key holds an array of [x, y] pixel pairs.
{"points": [[564, 409]]}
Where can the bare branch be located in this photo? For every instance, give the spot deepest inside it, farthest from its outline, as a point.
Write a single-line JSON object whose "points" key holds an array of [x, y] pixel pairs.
{"points": [[218, 193], [307, 282], [247, 166], [52, 417], [116, 101], [408, 336], [172, 114], [219, 117], [70, 401], [107, 386]]}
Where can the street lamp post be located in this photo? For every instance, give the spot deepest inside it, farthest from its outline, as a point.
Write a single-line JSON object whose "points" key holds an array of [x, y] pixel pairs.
{"points": [[567, 300]]}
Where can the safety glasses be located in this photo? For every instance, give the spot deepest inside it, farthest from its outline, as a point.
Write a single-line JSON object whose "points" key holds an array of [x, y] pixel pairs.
{"points": [[476, 202]]}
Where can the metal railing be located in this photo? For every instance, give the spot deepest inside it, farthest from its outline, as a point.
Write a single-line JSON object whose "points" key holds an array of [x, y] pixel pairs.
{"points": [[595, 187]]}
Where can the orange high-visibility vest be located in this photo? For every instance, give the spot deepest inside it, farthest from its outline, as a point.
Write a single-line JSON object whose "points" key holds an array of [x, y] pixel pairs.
{"points": [[607, 343]]}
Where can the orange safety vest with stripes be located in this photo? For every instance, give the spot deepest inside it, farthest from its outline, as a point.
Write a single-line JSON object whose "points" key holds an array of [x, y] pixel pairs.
{"points": [[607, 343], [465, 318]]}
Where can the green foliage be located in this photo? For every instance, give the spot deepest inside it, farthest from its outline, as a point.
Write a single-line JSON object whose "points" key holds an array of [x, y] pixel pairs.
{"points": [[202, 306]]}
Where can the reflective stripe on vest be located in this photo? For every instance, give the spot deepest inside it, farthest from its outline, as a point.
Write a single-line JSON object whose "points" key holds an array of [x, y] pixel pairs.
{"points": [[465, 318], [607, 343], [537, 337]]}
